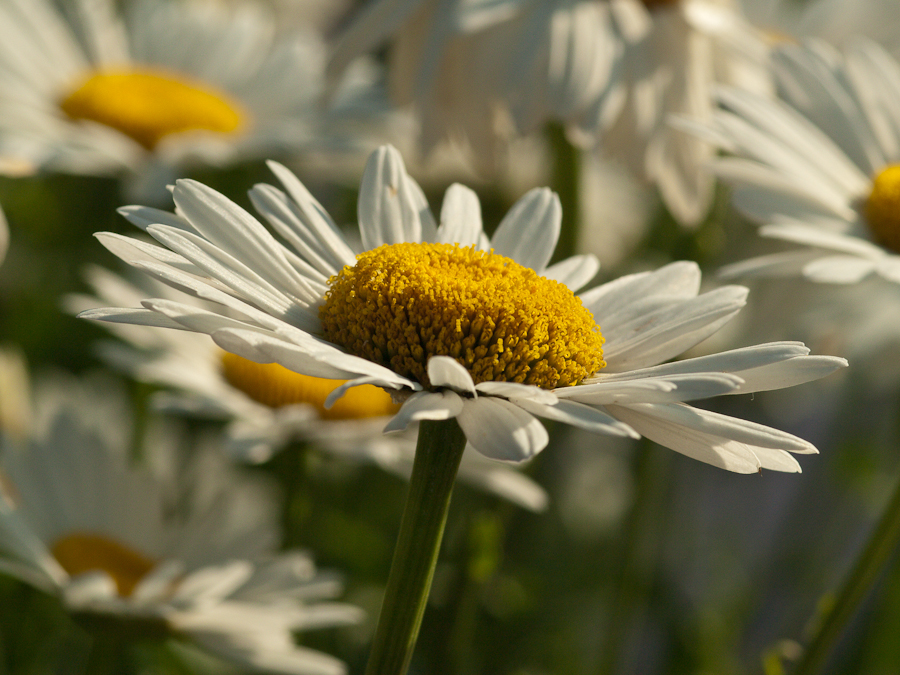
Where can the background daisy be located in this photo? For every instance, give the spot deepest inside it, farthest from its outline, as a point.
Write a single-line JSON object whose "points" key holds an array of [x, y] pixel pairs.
{"points": [[185, 549], [160, 86], [821, 167], [610, 72]]}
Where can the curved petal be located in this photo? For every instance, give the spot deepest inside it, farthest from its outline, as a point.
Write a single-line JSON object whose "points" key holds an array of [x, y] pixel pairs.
{"points": [[426, 405], [444, 371], [501, 430]]}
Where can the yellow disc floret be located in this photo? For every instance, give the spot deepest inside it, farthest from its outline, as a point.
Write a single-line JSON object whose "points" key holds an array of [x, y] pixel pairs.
{"points": [[404, 303], [81, 552], [147, 105], [882, 208], [276, 386]]}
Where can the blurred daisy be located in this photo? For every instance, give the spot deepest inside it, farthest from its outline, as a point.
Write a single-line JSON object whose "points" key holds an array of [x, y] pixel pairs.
{"points": [[610, 71], [186, 551], [821, 168], [164, 85], [459, 326], [267, 405]]}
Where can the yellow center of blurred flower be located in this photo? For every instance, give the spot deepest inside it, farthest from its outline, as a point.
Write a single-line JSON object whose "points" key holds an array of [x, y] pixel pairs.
{"points": [[404, 303], [275, 386], [882, 208], [148, 105], [81, 552]]}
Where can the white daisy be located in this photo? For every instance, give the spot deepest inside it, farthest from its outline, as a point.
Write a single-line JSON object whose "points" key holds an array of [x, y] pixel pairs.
{"points": [[820, 168], [161, 86], [186, 551], [457, 325], [268, 406], [610, 71]]}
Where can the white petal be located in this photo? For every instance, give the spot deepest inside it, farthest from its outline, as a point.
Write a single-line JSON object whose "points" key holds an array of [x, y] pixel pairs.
{"points": [[461, 218], [500, 430], [518, 391], [723, 426], [426, 405], [392, 208], [653, 389], [839, 269], [444, 371], [529, 232], [574, 272], [579, 415]]}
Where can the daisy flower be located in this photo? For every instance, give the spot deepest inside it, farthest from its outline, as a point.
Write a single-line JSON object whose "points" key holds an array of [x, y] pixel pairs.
{"points": [[266, 405], [164, 85], [610, 71], [80, 522], [821, 167], [457, 325]]}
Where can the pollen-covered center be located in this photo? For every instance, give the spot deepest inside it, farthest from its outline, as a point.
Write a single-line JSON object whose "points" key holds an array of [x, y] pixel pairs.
{"points": [[882, 208], [404, 303], [148, 105], [276, 386], [81, 552]]}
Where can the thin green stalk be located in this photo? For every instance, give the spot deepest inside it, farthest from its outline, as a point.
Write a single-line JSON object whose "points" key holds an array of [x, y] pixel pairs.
{"points": [[865, 573], [566, 181], [438, 454]]}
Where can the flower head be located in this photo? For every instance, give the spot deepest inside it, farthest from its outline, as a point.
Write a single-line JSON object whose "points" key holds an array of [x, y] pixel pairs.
{"points": [[157, 87], [821, 167], [265, 405], [274, 307], [81, 522]]}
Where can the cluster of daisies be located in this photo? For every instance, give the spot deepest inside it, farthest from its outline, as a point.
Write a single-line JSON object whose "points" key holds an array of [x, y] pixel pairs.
{"points": [[287, 326]]}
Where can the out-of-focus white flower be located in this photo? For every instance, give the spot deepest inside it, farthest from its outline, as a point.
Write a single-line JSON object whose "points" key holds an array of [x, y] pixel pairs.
{"points": [[266, 405], [162, 86], [186, 550], [610, 71], [459, 326], [820, 168], [836, 21]]}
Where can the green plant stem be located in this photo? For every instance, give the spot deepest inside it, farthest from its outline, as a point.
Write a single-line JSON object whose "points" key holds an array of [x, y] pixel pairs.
{"points": [[566, 181], [865, 573], [438, 453]]}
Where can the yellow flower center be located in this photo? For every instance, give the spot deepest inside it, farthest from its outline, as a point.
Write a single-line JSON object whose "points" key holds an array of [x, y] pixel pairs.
{"points": [[275, 386], [148, 105], [404, 303], [81, 552], [882, 208]]}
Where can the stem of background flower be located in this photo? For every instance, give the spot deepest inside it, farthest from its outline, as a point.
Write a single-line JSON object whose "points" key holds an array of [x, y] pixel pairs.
{"points": [[640, 544], [438, 453], [565, 180], [865, 573]]}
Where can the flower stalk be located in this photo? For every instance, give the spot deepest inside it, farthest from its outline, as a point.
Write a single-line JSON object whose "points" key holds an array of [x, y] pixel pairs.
{"points": [[866, 571], [438, 454]]}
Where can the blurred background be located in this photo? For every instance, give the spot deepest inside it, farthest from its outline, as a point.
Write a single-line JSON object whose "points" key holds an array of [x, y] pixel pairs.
{"points": [[644, 561]]}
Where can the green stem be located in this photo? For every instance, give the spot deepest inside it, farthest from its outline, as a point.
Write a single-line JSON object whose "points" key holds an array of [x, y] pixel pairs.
{"points": [[438, 454], [565, 180], [865, 573]]}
